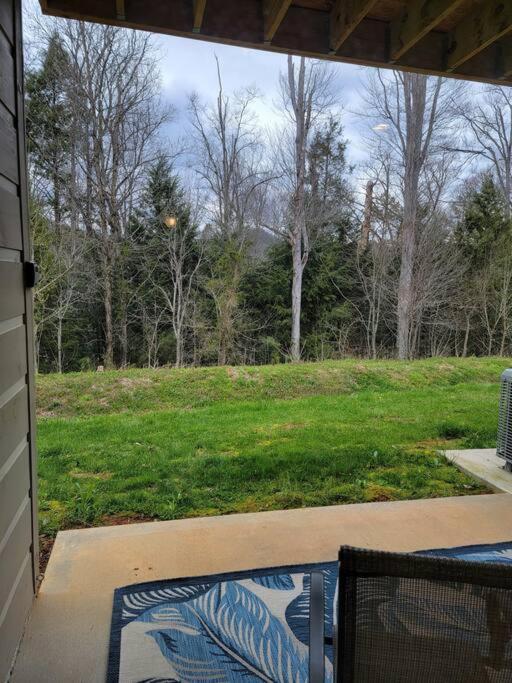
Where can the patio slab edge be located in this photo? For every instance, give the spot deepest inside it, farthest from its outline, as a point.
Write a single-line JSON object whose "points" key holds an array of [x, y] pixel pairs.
{"points": [[483, 465]]}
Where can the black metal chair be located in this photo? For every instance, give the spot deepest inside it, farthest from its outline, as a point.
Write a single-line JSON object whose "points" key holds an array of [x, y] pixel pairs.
{"points": [[411, 618]]}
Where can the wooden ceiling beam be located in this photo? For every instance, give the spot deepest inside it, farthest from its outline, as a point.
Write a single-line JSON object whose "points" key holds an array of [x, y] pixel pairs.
{"points": [[346, 15], [477, 31], [199, 7], [274, 11], [417, 18], [302, 31]]}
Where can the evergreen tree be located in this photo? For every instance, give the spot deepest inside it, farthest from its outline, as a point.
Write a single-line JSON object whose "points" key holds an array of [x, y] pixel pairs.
{"points": [[49, 124], [483, 236], [330, 197], [484, 222], [165, 257]]}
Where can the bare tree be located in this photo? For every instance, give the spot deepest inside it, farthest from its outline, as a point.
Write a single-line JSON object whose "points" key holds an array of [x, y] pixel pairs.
{"points": [[228, 157], [180, 259], [487, 122], [307, 93], [438, 270], [377, 252], [413, 113], [367, 216], [114, 81], [151, 316]]}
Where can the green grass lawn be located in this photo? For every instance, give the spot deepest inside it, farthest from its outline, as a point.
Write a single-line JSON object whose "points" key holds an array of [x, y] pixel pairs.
{"points": [[167, 444]]}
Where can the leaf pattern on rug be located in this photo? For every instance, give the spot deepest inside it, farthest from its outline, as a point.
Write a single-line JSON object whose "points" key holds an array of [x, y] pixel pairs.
{"points": [[297, 612], [224, 628], [280, 582], [227, 634], [135, 604], [500, 555]]}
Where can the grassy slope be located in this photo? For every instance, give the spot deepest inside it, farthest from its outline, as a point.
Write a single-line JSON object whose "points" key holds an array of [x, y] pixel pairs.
{"points": [[171, 444]]}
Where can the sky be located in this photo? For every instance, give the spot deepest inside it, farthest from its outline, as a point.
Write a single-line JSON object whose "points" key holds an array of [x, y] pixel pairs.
{"points": [[188, 65]]}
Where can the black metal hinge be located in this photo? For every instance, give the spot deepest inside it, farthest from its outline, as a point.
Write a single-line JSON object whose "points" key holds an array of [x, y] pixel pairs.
{"points": [[30, 273]]}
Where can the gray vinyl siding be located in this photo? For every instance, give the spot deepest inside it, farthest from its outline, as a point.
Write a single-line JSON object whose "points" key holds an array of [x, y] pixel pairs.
{"points": [[18, 522]]}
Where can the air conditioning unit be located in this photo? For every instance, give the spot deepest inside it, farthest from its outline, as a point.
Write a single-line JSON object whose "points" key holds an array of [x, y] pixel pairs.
{"points": [[504, 446]]}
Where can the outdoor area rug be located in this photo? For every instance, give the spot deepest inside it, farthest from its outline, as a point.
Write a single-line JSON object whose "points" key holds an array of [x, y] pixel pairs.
{"points": [[239, 627]]}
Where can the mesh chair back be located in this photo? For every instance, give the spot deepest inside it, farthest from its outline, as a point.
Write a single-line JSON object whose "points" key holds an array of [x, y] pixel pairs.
{"points": [[406, 618]]}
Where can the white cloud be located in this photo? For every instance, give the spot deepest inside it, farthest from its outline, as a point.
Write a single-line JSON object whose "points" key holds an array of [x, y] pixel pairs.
{"points": [[188, 65]]}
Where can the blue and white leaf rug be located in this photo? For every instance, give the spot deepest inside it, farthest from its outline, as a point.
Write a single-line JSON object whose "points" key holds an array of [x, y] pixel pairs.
{"points": [[241, 627]]}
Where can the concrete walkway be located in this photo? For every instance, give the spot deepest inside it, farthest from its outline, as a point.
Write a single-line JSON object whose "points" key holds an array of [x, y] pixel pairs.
{"points": [[483, 464], [67, 637]]}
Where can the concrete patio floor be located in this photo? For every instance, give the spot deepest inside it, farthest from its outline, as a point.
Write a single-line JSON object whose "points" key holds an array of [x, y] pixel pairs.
{"points": [[483, 464], [67, 637]]}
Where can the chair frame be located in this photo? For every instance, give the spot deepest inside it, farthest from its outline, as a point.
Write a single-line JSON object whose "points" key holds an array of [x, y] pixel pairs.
{"points": [[360, 562]]}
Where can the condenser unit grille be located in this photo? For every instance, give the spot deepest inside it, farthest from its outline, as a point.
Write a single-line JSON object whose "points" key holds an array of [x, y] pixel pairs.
{"points": [[504, 446]]}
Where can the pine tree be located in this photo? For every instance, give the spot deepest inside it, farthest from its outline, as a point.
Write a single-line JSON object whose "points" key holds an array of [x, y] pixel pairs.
{"points": [[49, 122], [483, 224], [166, 255]]}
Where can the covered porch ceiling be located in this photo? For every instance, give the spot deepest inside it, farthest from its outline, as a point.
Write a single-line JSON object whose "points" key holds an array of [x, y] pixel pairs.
{"points": [[469, 39]]}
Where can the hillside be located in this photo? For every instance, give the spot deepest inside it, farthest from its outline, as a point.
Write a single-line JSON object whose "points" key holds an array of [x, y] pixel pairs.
{"points": [[96, 393]]}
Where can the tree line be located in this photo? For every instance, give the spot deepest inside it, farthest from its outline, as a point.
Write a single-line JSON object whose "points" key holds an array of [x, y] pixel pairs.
{"points": [[240, 244]]}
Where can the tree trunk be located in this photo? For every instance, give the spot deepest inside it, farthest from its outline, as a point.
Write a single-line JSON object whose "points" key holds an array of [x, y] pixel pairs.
{"points": [[367, 218], [59, 344], [123, 322], [109, 342], [301, 100], [124, 338], [179, 346], [504, 334], [107, 302], [415, 91], [296, 299], [405, 281], [37, 349], [466, 338]]}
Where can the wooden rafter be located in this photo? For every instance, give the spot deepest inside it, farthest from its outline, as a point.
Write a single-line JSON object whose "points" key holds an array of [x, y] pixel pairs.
{"points": [[274, 12], [199, 7], [120, 10], [477, 31], [417, 18], [460, 38], [346, 15]]}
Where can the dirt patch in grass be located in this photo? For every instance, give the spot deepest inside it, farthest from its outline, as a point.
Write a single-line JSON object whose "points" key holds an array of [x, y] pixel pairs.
{"points": [[284, 426], [399, 418], [236, 374], [377, 493], [91, 475], [434, 444], [291, 425], [121, 520], [445, 367], [45, 550], [134, 382], [45, 414]]}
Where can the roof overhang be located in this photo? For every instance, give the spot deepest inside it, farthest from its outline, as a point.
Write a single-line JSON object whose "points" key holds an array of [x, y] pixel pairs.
{"points": [[469, 39]]}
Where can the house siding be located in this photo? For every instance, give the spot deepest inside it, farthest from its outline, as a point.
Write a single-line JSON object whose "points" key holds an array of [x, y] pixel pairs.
{"points": [[18, 521]]}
